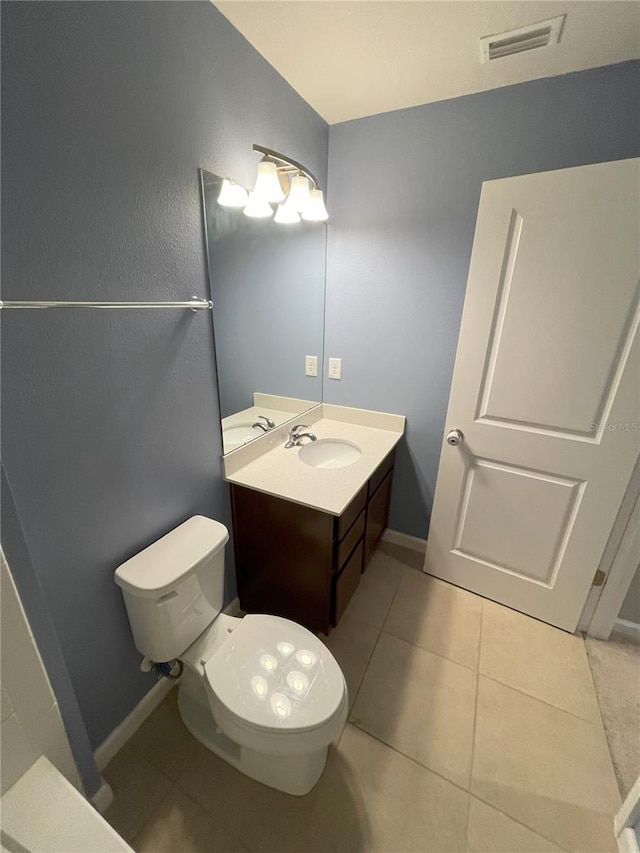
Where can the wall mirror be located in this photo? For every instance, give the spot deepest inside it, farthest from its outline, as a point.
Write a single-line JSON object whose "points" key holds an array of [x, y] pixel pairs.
{"points": [[267, 286]]}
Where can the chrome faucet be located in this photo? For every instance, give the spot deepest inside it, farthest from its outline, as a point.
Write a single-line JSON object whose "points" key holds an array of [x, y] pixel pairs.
{"points": [[295, 436], [265, 428]]}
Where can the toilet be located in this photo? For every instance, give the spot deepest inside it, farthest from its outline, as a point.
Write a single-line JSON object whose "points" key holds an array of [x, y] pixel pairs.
{"points": [[262, 692]]}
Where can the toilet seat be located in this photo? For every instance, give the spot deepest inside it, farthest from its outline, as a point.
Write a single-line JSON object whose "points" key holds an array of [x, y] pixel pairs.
{"points": [[273, 679]]}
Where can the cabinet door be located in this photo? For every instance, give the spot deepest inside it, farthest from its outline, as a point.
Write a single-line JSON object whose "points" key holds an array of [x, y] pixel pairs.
{"points": [[377, 516], [283, 557], [347, 582]]}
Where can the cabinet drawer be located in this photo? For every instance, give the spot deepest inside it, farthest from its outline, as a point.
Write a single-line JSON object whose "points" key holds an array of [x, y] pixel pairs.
{"points": [[349, 542], [380, 473], [352, 512], [347, 582]]}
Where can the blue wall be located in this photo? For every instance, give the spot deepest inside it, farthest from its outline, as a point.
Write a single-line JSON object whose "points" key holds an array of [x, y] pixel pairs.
{"points": [[403, 194], [110, 419]]}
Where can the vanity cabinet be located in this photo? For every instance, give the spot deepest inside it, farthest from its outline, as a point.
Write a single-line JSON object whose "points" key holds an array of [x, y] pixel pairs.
{"points": [[303, 563]]}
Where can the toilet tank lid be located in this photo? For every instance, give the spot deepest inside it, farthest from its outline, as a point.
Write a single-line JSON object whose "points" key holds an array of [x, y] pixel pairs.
{"points": [[162, 565]]}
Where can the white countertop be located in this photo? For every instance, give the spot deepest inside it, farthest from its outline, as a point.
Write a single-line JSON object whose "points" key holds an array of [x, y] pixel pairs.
{"points": [[44, 813], [279, 471]]}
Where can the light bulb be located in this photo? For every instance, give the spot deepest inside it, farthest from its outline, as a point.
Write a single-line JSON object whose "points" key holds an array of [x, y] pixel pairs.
{"points": [[306, 658], [298, 196], [315, 211], [286, 649], [298, 681], [269, 663], [280, 705], [260, 686], [286, 215], [232, 194], [267, 185], [257, 208]]}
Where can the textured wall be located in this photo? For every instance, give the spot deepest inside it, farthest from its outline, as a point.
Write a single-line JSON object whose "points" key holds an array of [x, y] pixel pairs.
{"points": [[404, 189], [630, 609], [110, 419]]}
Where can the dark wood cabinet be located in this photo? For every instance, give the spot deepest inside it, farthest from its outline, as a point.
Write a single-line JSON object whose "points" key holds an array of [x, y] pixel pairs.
{"points": [[302, 563]]}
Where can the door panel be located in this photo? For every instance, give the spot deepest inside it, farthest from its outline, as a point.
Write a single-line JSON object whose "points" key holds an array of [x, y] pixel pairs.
{"points": [[548, 356], [522, 543]]}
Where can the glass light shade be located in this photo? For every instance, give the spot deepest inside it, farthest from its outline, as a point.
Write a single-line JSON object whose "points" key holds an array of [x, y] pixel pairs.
{"points": [[232, 194], [315, 211], [298, 196], [257, 207], [286, 214], [267, 185]]}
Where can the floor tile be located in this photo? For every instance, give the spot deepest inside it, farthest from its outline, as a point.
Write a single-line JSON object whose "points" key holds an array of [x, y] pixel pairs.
{"points": [[437, 616], [410, 556], [262, 818], [616, 674], [138, 789], [179, 825], [370, 798], [545, 768], [421, 704], [164, 740], [379, 583], [490, 831], [352, 644], [538, 659]]}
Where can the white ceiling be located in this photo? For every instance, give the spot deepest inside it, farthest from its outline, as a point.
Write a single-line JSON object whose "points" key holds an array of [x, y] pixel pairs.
{"points": [[352, 58]]}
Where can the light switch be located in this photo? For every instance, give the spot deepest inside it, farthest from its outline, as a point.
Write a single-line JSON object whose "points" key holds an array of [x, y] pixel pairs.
{"points": [[311, 365], [335, 368]]}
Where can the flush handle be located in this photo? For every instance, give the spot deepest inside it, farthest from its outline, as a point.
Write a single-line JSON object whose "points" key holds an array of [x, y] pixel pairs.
{"points": [[454, 437]]}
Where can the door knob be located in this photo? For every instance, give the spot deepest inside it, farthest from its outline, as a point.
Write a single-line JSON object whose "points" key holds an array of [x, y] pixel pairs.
{"points": [[454, 437]]}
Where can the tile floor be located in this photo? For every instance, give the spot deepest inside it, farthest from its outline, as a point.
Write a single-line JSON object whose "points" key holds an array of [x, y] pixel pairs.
{"points": [[472, 728]]}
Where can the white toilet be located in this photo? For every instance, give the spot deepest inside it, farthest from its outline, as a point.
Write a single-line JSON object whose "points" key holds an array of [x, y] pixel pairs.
{"points": [[261, 692]]}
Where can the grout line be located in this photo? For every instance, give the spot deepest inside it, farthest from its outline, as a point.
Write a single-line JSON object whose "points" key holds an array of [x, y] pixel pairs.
{"points": [[519, 822], [469, 792], [431, 652], [148, 820], [475, 720], [375, 646], [537, 699], [409, 757], [222, 824]]}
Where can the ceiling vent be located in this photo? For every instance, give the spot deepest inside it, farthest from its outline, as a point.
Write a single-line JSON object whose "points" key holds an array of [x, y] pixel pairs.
{"points": [[534, 36]]}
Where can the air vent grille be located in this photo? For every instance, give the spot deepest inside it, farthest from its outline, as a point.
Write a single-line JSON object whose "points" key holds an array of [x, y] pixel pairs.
{"points": [[542, 34]]}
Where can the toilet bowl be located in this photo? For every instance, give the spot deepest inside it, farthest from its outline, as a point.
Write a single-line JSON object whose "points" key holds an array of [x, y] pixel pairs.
{"points": [[262, 692]]}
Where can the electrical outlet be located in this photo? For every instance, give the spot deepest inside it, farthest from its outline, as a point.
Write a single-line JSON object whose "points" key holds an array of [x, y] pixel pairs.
{"points": [[335, 368], [311, 365]]}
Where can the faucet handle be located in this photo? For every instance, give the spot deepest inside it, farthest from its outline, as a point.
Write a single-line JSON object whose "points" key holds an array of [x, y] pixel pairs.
{"points": [[267, 420], [299, 426]]}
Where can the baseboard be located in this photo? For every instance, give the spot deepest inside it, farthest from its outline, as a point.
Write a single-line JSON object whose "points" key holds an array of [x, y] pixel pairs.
{"points": [[407, 549], [102, 798], [121, 734], [405, 541], [129, 726], [233, 608], [630, 630]]}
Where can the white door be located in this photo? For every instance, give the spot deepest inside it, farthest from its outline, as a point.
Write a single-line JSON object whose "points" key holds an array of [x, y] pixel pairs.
{"points": [[546, 390]]}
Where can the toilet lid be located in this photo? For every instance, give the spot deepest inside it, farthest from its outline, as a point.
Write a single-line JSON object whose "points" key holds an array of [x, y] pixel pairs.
{"points": [[273, 673]]}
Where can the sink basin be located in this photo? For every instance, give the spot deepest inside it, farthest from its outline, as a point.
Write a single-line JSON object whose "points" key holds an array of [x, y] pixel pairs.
{"points": [[329, 453], [239, 433]]}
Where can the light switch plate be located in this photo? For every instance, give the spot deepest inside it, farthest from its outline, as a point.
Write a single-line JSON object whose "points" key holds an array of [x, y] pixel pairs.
{"points": [[311, 365], [335, 368]]}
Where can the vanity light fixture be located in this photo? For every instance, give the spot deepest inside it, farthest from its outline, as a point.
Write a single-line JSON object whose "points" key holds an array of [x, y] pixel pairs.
{"points": [[280, 181], [232, 194]]}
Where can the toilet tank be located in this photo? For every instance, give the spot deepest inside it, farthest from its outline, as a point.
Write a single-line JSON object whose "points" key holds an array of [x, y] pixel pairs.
{"points": [[174, 588]]}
